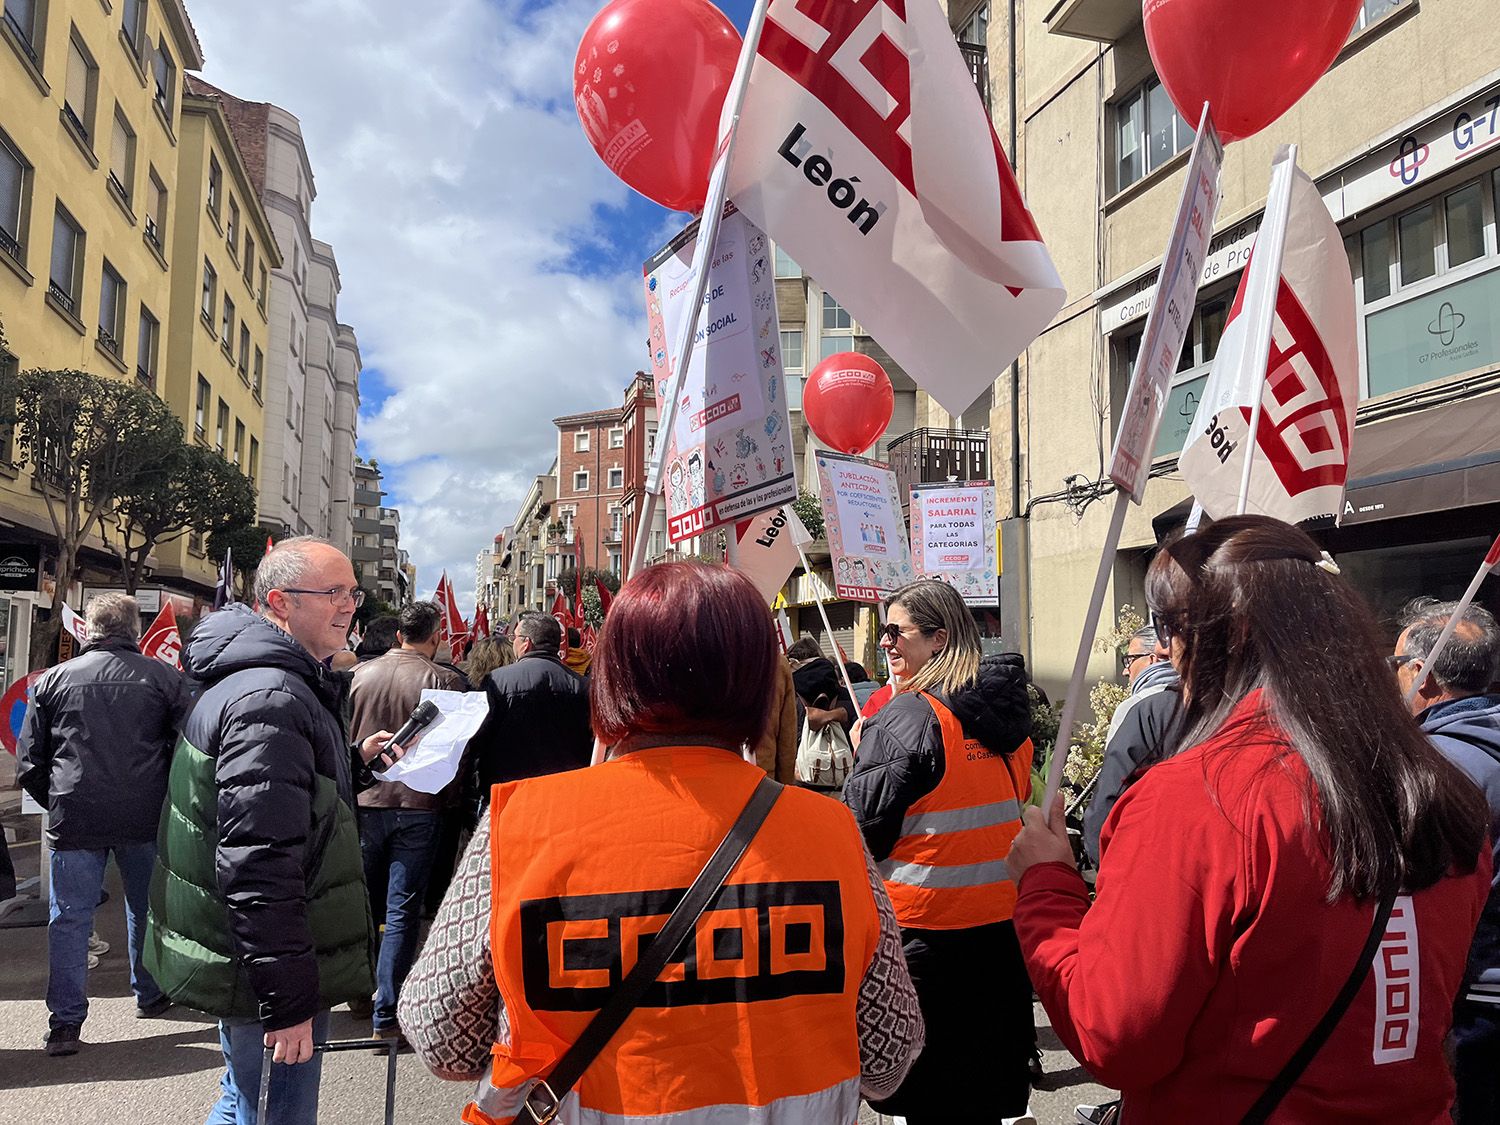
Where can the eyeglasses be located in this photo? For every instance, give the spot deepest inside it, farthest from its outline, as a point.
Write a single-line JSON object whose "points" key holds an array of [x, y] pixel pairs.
{"points": [[1399, 659], [335, 594], [1129, 658]]}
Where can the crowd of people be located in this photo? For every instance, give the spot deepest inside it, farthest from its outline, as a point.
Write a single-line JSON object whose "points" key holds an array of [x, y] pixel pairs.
{"points": [[789, 887]]}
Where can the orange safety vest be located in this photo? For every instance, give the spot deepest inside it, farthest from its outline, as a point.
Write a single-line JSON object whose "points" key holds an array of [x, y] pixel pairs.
{"points": [[947, 870], [759, 1010]]}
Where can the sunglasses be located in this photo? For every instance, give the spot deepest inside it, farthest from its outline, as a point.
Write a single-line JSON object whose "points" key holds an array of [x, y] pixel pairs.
{"points": [[1163, 627]]}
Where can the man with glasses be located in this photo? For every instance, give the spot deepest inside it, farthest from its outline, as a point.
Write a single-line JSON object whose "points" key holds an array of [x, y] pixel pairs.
{"points": [[1139, 727], [258, 907], [1455, 707]]}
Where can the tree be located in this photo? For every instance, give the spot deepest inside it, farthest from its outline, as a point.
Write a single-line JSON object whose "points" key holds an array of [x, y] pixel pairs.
{"points": [[248, 543], [809, 510], [88, 439], [191, 488]]}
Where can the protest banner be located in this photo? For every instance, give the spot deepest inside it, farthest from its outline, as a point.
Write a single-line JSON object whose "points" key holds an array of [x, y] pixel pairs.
{"points": [[767, 550], [864, 150], [163, 640], [865, 529], [953, 538], [1290, 417], [728, 454]]}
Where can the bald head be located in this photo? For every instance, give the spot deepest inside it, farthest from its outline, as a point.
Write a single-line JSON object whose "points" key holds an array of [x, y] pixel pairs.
{"points": [[1469, 661]]}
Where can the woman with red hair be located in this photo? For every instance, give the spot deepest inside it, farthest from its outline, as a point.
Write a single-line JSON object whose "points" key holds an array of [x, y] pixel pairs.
{"points": [[787, 998]]}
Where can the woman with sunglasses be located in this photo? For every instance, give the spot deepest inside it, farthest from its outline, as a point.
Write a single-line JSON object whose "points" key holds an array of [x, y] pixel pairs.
{"points": [[1244, 881], [937, 788]]}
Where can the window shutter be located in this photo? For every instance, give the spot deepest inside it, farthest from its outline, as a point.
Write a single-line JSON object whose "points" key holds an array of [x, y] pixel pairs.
{"points": [[77, 96], [119, 154]]}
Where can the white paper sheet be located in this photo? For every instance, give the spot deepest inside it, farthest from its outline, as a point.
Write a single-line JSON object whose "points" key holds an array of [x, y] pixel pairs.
{"points": [[431, 763]]}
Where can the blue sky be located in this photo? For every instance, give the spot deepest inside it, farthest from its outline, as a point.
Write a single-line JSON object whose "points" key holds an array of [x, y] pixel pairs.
{"points": [[490, 263]]}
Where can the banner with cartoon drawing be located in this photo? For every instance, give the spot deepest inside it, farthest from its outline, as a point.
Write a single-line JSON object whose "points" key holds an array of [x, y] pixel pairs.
{"points": [[729, 456], [953, 538], [865, 529]]}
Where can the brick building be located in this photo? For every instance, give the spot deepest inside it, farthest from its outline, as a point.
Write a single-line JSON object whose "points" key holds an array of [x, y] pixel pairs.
{"points": [[588, 516]]}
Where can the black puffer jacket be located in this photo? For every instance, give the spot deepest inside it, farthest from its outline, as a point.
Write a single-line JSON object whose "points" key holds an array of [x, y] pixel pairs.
{"points": [[97, 743], [538, 722], [268, 717], [900, 757]]}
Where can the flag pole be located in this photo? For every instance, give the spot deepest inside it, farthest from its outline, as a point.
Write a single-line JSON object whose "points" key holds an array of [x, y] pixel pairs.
{"points": [[1072, 700], [708, 233], [1488, 565], [1278, 205], [812, 585]]}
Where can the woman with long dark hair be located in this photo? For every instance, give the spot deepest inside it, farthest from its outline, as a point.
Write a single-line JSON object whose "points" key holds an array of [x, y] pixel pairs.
{"points": [[937, 788], [1242, 881]]}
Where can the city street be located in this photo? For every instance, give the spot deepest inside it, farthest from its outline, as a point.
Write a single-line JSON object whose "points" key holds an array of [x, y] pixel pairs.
{"points": [[165, 1072]]}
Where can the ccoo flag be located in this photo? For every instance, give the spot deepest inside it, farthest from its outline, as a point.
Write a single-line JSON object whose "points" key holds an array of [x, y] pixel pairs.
{"points": [[864, 150], [1310, 387], [163, 640]]}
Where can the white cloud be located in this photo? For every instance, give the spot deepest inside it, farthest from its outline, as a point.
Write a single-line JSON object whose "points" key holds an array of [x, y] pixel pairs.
{"points": [[459, 194]]}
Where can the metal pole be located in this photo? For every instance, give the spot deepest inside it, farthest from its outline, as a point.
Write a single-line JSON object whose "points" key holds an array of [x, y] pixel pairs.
{"points": [[708, 233], [1463, 604], [1074, 698], [823, 613]]}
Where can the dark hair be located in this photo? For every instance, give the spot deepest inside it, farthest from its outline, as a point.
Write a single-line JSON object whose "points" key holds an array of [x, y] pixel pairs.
{"points": [[379, 637], [804, 648], [1254, 610], [687, 649], [575, 638], [541, 630], [1468, 663], [857, 673], [419, 621]]}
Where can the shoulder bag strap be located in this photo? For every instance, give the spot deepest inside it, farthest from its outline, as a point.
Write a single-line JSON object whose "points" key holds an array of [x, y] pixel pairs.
{"points": [[1283, 1082], [544, 1100]]}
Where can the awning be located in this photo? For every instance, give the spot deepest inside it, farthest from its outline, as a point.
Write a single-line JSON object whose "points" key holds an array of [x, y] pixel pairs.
{"points": [[1434, 460]]}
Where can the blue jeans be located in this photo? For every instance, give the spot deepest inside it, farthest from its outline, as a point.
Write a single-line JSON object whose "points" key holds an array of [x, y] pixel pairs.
{"points": [[397, 846], [294, 1089], [77, 886]]}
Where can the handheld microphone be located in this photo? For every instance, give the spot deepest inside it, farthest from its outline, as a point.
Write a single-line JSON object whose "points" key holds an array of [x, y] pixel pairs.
{"points": [[423, 716]]}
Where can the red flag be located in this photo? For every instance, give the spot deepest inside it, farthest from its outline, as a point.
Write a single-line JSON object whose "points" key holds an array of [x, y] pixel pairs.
{"points": [[605, 597], [162, 640], [455, 629], [564, 618], [481, 622], [269, 544], [590, 639]]}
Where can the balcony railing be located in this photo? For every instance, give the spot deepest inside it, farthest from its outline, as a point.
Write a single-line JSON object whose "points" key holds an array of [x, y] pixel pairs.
{"points": [[108, 342], [77, 122], [977, 58], [928, 456], [145, 378], [60, 295], [9, 244], [153, 234]]}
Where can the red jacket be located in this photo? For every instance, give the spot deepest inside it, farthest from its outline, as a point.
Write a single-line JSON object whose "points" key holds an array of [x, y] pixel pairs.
{"points": [[1210, 951]]}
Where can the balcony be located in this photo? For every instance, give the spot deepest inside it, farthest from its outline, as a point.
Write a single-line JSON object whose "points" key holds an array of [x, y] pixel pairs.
{"points": [[1101, 21], [365, 554], [977, 59], [929, 456]]}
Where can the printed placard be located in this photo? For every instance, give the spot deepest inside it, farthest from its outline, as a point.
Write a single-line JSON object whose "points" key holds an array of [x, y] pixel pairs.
{"points": [[729, 453], [953, 538], [866, 532]]}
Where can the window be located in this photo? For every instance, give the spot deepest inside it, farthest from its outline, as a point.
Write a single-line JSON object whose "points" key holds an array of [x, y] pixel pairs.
{"points": [[210, 291], [66, 278], [244, 364], [215, 185], [785, 267], [21, 17], [146, 343], [232, 232], [791, 349], [1425, 241], [616, 521], [221, 428], [838, 329], [15, 178], [1148, 132], [1372, 10], [156, 211], [164, 71], [239, 443], [1205, 328], [134, 26], [249, 259], [226, 331], [617, 478], [253, 467], [122, 158], [258, 375], [581, 442], [78, 94], [111, 310], [200, 408], [581, 481], [617, 438], [260, 292]]}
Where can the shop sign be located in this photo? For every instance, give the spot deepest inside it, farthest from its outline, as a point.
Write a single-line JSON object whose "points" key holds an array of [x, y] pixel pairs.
{"points": [[1227, 254], [1445, 332], [20, 565]]}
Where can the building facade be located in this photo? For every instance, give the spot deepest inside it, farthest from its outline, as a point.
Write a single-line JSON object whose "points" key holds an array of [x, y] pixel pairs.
{"points": [[588, 520], [1411, 178], [521, 569]]}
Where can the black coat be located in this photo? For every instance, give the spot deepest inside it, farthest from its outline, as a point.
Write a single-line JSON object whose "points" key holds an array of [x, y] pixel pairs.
{"points": [[900, 757], [96, 745], [538, 721], [269, 717]]}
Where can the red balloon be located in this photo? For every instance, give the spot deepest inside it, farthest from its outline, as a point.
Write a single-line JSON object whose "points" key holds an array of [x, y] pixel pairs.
{"points": [[848, 402], [649, 82], [1249, 60]]}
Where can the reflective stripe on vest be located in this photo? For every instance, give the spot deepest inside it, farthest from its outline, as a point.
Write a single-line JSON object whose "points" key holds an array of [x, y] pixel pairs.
{"points": [[837, 1105], [947, 870], [585, 868]]}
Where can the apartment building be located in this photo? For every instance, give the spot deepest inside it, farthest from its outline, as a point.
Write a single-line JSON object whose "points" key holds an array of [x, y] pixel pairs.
{"points": [[589, 519], [1400, 136], [521, 569]]}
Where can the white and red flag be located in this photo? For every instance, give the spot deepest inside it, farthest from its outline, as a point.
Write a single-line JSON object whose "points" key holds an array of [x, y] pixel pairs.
{"points": [[1309, 388], [162, 640], [481, 622], [864, 150], [455, 628]]}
